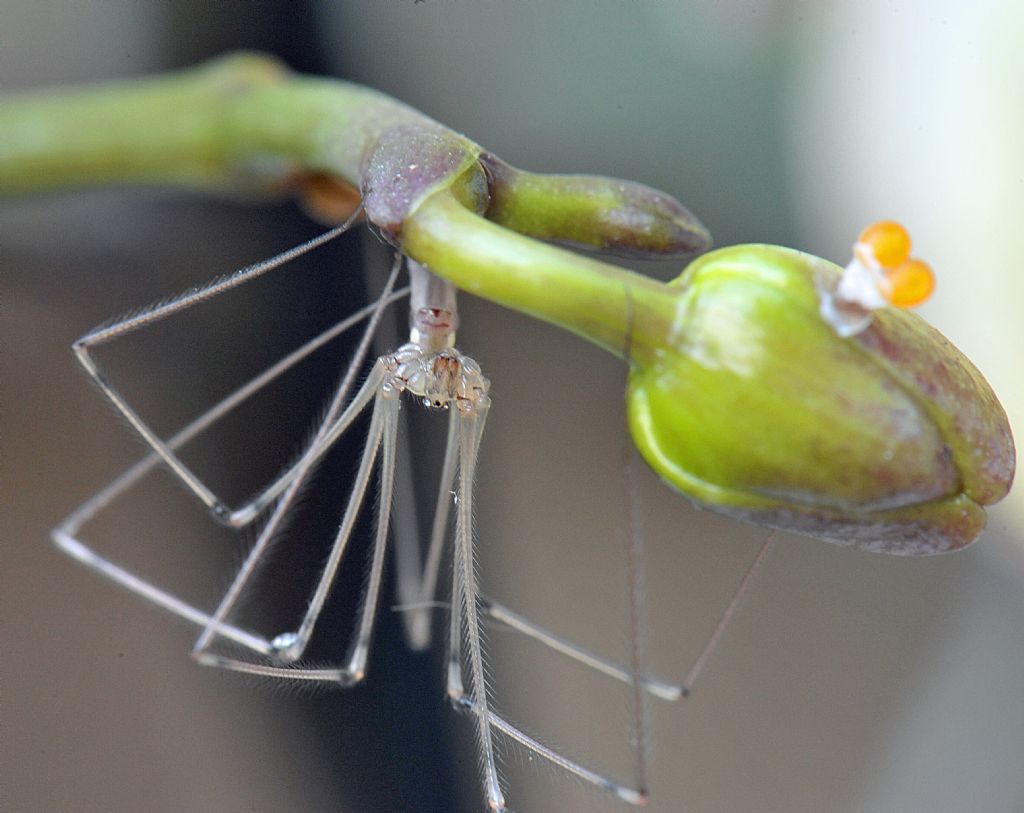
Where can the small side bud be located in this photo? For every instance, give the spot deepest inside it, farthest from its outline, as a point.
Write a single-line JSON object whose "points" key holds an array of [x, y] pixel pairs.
{"points": [[593, 213]]}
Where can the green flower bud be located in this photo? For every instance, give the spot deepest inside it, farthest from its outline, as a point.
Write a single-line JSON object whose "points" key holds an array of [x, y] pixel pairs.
{"points": [[889, 440]]}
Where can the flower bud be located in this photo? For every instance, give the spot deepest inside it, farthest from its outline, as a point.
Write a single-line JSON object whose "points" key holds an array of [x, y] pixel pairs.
{"points": [[888, 440]]}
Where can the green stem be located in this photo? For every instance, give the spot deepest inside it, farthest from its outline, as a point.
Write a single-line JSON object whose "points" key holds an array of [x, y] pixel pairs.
{"points": [[628, 314], [244, 123]]}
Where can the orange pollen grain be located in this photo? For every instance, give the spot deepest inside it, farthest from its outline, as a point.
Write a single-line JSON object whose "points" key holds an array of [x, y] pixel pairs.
{"points": [[888, 242], [910, 283]]}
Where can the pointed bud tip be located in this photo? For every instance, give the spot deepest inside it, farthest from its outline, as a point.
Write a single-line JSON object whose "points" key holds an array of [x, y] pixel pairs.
{"points": [[649, 224]]}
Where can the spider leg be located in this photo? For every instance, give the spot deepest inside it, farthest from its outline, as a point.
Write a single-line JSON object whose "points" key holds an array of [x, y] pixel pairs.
{"points": [[382, 437], [324, 437], [464, 637], [654, 686], [67, 534], [469, 701], [470, 428], [700, 664], [465, 618], [84, 346], [322, 441], [288, 647], [153, 594], [418, 590], [519, 623], [66, 537], [127, 479]]}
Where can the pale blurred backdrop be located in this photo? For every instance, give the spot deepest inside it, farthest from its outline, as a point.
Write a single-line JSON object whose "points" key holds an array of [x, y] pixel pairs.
{"points": [[851, 683]]}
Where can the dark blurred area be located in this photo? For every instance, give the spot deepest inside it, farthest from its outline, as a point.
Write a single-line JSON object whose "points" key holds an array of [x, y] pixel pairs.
{"points": [[850, 683]]}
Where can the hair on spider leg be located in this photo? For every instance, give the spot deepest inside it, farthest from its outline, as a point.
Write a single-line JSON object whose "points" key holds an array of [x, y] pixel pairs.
{"points": [[134, 318], [290, 689], [165, 450], [278, 685], [512, 754], [260, 599], [292, 522], [213, 624], [289, 571]]}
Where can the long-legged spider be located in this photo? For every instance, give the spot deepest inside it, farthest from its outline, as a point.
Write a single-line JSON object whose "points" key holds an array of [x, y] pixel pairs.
{"points": [[431, 370]]}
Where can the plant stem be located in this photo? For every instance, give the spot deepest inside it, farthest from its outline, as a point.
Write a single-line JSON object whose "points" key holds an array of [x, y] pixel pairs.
{"points": [[244, 123], [241, 123], [625, 313]]}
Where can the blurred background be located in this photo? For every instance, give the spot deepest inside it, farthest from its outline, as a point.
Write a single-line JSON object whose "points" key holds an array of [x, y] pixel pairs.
{"points": [[850, 682]]}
